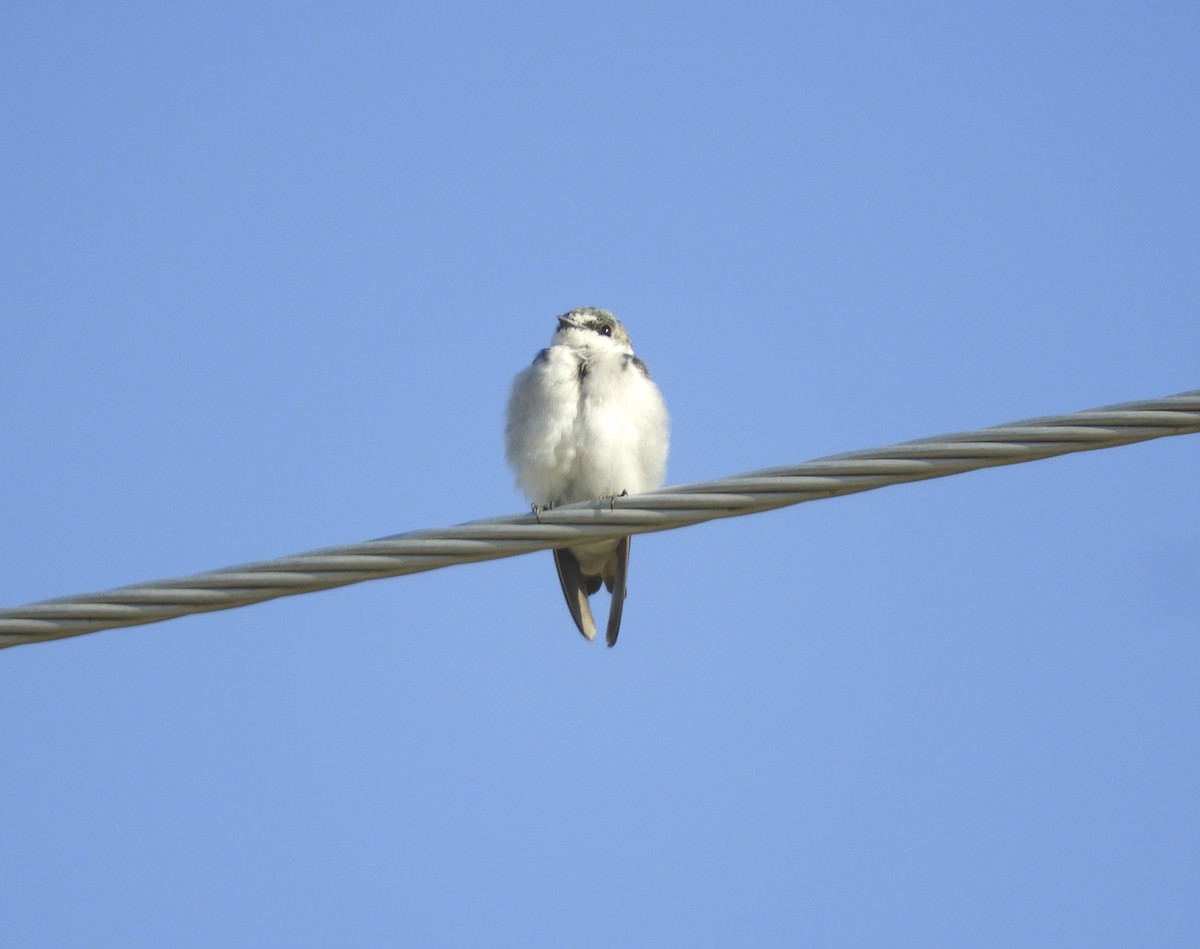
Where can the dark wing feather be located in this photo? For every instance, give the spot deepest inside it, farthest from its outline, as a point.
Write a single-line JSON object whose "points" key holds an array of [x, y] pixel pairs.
{"points": [[574, 587], [618, 592]]}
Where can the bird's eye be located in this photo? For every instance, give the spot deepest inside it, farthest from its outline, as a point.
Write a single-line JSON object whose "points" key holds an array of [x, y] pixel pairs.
{"points": [[606, 330]]}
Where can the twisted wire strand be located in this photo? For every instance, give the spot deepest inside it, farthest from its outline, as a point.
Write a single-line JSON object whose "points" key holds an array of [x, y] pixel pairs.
{"points": [[664, 509]]}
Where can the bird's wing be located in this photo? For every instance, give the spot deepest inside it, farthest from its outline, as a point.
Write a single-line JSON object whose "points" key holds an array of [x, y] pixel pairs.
{"points": [[574, 588], [618, 592]]}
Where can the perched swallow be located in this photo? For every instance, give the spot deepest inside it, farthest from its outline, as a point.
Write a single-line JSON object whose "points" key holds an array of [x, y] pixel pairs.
{"points": [[585, 422]]}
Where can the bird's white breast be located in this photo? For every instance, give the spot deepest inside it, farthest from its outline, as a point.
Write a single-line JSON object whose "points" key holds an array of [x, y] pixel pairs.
{"points": [[585, 423]]}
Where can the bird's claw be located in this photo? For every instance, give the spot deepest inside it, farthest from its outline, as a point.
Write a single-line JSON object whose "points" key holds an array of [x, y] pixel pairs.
{"points": [[612, 499]]}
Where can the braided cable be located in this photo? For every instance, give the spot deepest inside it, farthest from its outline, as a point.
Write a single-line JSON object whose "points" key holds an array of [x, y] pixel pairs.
{"points": [[571, 524]]}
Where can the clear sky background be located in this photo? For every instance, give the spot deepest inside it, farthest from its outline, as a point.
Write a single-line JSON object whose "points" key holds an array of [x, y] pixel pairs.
{"points": [[268, 270]]}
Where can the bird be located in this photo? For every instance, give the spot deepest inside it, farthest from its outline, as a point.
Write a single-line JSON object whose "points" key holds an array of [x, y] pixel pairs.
{"points": [[585, 422]]}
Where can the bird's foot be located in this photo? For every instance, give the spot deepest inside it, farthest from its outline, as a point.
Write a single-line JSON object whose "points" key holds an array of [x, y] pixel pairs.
{"points": [[538, 508], [612, 499]]}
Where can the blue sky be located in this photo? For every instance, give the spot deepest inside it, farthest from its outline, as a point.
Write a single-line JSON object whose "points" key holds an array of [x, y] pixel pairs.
{"points": [[269, 270]]}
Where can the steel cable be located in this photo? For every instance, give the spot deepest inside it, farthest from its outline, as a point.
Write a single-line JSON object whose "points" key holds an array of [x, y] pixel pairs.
{"points": [[664, 509]]}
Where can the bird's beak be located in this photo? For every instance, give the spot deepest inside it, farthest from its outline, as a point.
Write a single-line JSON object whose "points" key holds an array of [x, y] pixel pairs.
{"points": [[565, 323]]}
